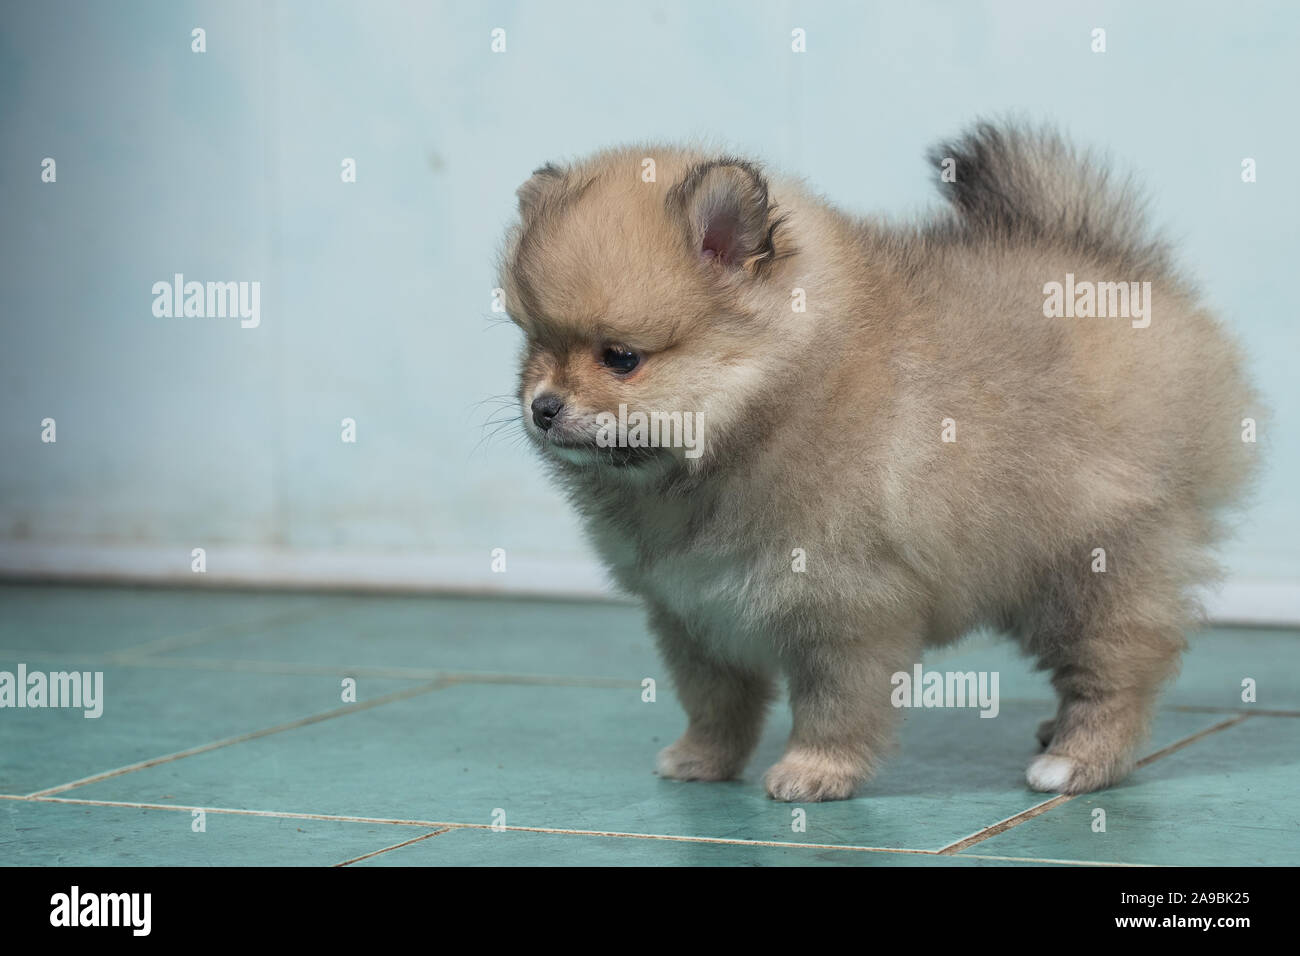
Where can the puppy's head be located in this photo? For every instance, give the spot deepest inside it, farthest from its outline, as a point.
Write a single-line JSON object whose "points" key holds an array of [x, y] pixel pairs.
{"points": [[641, 279]]}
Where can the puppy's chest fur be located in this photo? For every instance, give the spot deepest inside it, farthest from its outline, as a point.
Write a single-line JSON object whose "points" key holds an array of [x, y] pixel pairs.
{"points": [[670, 557]]}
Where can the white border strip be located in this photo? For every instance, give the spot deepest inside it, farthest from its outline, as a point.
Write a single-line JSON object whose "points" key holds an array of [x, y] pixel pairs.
{"points": [[531, 575], [1260, 603], [1248, 602]]}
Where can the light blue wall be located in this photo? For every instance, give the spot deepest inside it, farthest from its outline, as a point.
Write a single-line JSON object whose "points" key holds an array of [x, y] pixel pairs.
{"points": [[376, 296]]}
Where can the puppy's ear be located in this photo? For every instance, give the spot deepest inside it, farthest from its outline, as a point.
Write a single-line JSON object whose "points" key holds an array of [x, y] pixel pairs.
{"points": [[545, 181], [726, 214]]}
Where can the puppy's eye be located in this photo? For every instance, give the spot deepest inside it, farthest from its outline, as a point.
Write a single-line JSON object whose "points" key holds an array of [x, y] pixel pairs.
{"points": [[619, 359]]}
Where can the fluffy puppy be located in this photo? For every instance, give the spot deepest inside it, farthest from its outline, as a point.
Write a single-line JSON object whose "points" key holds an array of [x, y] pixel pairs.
{"points": [[901, 433]]}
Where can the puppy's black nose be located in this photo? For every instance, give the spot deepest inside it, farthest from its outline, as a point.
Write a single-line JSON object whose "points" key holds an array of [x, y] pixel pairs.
{"points": [[545, 408]]}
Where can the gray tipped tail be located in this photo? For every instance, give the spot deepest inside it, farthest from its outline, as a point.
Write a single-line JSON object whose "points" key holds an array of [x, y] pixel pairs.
{"points": [[1022, 184]]}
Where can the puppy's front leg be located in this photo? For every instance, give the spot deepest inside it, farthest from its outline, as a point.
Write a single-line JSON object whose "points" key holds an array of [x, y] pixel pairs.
{"points": [[843, 720], [725, 704]]}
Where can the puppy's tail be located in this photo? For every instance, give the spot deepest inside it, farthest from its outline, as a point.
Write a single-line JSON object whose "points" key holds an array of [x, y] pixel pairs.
{"points": [[1019, 184]]}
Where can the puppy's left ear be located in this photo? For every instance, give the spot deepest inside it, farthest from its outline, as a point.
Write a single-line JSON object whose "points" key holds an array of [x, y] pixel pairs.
{"points": [[544, 181], [726, 214]]}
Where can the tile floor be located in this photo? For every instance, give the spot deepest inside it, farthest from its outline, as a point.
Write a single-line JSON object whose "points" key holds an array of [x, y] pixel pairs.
{"points": [[471, 713]]}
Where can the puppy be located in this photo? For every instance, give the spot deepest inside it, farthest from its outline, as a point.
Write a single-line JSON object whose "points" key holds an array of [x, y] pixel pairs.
{"points": [[1014, 414]]}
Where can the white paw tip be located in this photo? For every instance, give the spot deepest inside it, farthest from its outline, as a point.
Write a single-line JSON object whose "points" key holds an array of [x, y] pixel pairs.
{"points": [[1049, 773]]}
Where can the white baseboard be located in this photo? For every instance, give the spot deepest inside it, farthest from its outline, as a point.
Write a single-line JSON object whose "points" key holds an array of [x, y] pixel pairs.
{"points": [[1248, 602], [308, 570], [1259, 603]]}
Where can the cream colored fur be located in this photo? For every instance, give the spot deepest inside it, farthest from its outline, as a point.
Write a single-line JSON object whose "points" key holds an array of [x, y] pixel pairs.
{"points": [[824, 433]]}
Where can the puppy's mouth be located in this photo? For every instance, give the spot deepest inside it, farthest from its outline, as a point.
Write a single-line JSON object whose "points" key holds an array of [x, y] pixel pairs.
{"points": [[570, 445]]}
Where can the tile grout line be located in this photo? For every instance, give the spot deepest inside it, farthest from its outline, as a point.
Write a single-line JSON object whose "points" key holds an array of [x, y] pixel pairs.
{"points": [[950, 850], [1034, 859], [1002, 826], [293, 668], [214, 632], [242, 738], [390, 673], [1243, 712], [336, 818], [1188, 741], [401, 672], [395, 846], [231, 811], [443, 826]]}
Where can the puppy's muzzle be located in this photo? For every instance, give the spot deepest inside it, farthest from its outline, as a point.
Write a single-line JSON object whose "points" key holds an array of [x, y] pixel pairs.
{"points": [[545, 408]]}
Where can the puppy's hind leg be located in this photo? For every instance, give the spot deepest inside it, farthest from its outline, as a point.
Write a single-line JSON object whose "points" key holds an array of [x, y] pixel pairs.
{"points": [[725, 705], [1111, 639]]}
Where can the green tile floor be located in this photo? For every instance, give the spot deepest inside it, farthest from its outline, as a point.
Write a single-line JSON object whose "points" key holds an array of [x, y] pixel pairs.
{"points": [[497, 732]]}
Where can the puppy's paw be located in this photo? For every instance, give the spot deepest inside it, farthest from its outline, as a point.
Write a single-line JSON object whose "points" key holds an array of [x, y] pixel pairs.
{"points": [[688, 759], [1046, 731], [805, 777], [1050, 773], [1056, 773]]}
